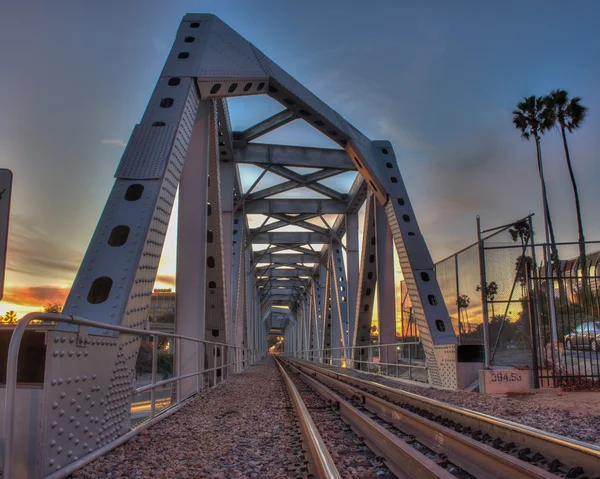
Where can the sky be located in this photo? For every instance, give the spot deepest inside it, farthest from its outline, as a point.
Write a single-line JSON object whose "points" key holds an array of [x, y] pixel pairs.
{"points": [[438, 79]]}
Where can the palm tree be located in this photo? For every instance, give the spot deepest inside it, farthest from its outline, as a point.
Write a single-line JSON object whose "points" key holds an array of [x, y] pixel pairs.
{"points": [[568, 114], [10, 317], [531, 119]]}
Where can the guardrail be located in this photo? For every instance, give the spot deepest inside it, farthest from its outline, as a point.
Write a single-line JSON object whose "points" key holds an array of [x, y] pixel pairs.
{"points": [[389, 364], [235, 352]]}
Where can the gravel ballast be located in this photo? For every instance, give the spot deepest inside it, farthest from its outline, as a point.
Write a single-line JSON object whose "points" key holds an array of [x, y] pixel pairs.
{"points": [[530, 410], [244, 427]]}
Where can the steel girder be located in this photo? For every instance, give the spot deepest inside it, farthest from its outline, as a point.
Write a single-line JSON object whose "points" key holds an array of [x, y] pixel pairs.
{"points": [[185, 131], [291, 238], [386, 297], [288, 258], [272, 123], [366, 285], [309, 206], [340, 301], [280, 155]]}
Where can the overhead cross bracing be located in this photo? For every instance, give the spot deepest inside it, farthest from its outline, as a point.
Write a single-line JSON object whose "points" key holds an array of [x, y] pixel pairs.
{"points": [[280, 253]]}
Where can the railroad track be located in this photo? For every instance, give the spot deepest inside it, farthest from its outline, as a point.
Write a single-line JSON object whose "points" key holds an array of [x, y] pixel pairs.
{"points": [[420, 437]]}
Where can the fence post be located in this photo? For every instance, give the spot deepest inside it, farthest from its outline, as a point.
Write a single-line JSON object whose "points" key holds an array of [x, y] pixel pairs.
{"points": [[486, 332], [533, 329]]}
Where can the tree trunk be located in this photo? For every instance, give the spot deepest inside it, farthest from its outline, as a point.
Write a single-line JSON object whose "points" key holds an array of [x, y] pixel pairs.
{"points": [[582, 255], [546, 207]]}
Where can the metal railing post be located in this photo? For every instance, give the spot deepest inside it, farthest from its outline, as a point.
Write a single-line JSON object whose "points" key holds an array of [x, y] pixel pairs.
{"points": [[215, 358], [200, 364], [154, 366], [178, 370], [410, 361]]}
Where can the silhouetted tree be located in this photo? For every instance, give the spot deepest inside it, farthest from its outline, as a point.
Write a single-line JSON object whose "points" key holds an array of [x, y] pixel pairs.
{"points": [[491, 290], [463, 302], [55, 307], [520, 231], [531, 119], [568, 114], [10, 318]]}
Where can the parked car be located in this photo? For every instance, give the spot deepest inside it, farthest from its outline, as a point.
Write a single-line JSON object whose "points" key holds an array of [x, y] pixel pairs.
{"points": [[586, 335]]}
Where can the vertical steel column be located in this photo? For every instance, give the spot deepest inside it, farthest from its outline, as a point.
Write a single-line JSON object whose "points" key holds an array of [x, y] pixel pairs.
{"points": [[328, 315], [231, 263], [336, 319], [366, 288], [322, 311], [484, 299], [306, 325], [352, 275], [386, 290], [340, 295], [191, 245], [238, 286]]}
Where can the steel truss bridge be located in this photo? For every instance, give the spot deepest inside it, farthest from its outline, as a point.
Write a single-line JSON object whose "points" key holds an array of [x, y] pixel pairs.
{"points": [[235, 283]]}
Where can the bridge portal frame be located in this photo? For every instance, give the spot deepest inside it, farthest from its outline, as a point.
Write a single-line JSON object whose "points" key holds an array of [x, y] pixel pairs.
{"points": [[185, 140]]}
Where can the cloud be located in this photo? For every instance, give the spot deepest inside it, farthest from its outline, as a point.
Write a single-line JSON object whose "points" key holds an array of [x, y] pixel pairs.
{"points": [[115, 142], [32, 253], [165, 279], [36, 296]]}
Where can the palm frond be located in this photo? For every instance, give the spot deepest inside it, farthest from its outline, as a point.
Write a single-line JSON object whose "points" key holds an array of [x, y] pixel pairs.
{"points": [[528, 117], [575, 113]]}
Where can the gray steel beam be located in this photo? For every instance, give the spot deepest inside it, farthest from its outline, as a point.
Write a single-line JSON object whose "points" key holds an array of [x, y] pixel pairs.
{"points": [[306, 181], [287, 258], [286, 222], [272, 123], [352, 271], [291, 238], [191, 247], [282, 206], [276, 296], [366, 286], [386, 290], [283, 290], [340, 296], [260, 154], [277, 282], [274, 266]]}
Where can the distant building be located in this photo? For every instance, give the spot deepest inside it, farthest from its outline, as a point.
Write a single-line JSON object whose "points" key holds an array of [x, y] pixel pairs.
{"points": [[161, 315], [162, 306]]}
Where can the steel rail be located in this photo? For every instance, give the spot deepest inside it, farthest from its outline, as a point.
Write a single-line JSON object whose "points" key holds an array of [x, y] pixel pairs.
{"points": [[478, 459], [575, 454], [320, 461], [402, 459]]}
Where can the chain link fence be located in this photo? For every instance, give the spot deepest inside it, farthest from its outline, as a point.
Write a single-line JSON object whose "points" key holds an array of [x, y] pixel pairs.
{"points": [[566, 302], [502, 293]]}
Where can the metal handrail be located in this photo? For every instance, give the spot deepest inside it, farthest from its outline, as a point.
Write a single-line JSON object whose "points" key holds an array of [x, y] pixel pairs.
{"points": [[13, 358], [321, 356]]}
